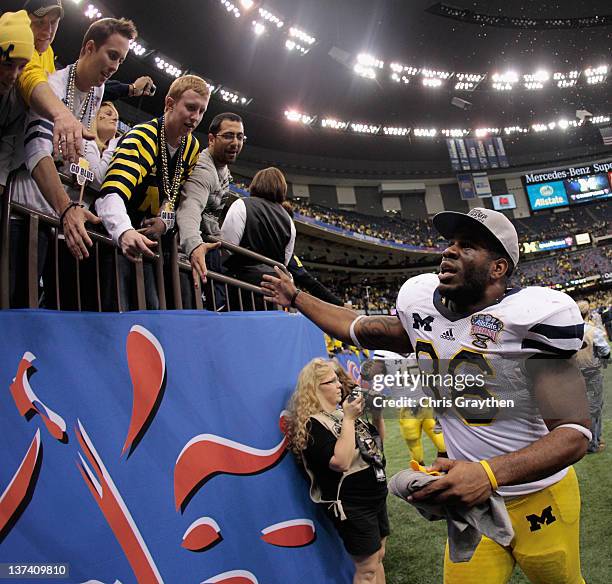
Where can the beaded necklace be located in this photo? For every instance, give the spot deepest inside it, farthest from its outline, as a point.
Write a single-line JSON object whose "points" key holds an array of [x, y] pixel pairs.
{"points": [[69, 99], [171, 191]]}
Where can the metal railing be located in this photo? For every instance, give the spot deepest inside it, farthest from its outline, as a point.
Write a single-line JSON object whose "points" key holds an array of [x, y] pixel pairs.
{"points": [[171, 268]]}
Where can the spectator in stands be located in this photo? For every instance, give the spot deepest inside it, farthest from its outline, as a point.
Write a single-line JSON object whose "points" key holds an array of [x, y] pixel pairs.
{"points": [[343, 458], [138, 197], [206, 192], [16, 50], [590, 358], [81, 85], [68, 132], [259, 223]]}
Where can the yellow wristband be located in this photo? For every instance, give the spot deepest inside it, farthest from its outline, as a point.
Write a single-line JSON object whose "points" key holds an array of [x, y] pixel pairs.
{"points": [[490, 474]]}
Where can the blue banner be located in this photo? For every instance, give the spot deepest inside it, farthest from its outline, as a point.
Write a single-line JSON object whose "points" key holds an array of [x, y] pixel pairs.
{"points": [[491, 154], [501, 152], [470, 144], [452, 153], [482, 154], [466, 186], [463, 154], [146, 447]]}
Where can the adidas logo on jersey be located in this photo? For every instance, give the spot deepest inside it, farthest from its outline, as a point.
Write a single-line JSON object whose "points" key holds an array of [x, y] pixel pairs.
{"points": [[448, 335]]}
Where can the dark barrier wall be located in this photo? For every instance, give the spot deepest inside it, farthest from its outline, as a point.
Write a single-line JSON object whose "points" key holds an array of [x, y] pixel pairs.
{"points": [[369, 201], [323, 195], [146, 447], [451, 197]]}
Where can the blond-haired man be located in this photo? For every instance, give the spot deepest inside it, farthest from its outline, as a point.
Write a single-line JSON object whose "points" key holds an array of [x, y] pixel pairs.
{"points": [[142, 185]]}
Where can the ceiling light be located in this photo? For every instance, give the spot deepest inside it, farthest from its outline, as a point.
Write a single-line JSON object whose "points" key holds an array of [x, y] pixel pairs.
{"points": [[299, 117], [168, 67], [369, 61], [455, 132], [402, 73], [424, 132], [482, 132], [515, 130], [404, 69], [92, 12], [302, 36], [232, 96], [365, 128], [504, 81], [247, 4], [541, 76], [468, 81], [137, 48], [470, 77], [334, 124], [428, 82], [258, 28], [267, 15], [366, 72], [291, 45], [435, 74], [395, 131], [231, 8], [596, 75]]}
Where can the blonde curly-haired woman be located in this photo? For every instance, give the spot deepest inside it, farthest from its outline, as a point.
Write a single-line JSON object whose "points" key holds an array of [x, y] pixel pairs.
{"points": [[342, 455]]}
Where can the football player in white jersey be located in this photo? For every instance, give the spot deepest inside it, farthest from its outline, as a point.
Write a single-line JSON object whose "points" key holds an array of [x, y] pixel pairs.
{"points": [[466, 318]]}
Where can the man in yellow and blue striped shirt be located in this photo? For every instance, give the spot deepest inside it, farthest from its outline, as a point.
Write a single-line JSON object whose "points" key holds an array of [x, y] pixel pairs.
{"points": [[150, 165]]}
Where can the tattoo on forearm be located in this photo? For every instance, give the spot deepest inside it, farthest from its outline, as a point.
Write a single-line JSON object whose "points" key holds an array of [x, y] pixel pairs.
{"points": [[382, 332]]}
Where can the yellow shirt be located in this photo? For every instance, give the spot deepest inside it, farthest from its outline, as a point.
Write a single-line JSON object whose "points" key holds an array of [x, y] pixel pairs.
{"points": [[35, 72]]}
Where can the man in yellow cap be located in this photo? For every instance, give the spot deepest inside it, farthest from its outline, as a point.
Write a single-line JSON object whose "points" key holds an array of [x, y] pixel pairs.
{"points": [[16, 48]]}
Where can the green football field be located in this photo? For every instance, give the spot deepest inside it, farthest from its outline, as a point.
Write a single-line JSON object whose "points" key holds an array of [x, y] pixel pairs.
{"points": [[415, 549]]}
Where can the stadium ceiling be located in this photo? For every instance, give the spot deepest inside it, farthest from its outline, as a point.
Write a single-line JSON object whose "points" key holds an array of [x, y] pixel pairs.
{"points": [[219, 40]]}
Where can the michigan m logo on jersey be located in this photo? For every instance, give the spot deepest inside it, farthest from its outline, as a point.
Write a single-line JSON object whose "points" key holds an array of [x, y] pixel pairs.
{"points": [[419, 322]]}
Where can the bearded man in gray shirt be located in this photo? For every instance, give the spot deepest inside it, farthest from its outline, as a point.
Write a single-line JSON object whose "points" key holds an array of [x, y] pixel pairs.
{"points": [[205, 193]]}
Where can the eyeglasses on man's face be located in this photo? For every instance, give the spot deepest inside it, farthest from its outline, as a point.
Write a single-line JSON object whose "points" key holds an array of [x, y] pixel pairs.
{"points": [[230, 137]]}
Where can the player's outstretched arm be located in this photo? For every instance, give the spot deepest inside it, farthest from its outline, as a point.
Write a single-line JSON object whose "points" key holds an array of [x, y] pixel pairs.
{"points": [[372, 332]]}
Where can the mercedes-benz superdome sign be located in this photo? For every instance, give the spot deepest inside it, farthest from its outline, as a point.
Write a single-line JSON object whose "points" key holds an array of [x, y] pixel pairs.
{"points": [[569, 186]]}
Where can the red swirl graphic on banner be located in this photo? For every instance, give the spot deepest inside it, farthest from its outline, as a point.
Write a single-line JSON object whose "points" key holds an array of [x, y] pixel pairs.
{"points": [[207, 455], [233, 577], [283, 420], [201, 535], [293, 533], [27, 402], [147, 364], [18, 493], [117, 515]]}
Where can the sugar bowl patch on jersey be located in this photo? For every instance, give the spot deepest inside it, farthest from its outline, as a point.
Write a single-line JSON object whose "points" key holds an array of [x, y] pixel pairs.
{"points": [[485, 327]]}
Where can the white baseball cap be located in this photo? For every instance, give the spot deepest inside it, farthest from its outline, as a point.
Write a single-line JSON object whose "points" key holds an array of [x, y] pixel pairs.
{"points": [[494, 223]]}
